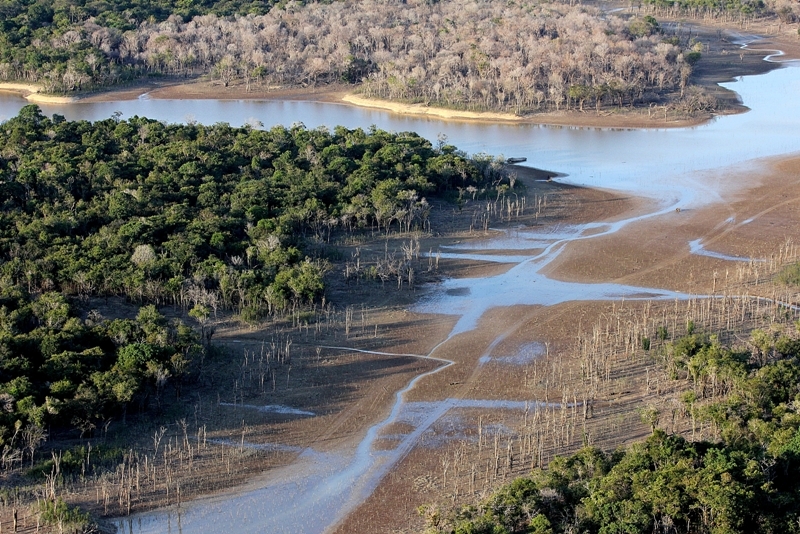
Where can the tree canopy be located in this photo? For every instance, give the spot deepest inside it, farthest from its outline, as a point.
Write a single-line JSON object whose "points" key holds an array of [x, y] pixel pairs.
{"points": [[204, 217], [190, 214], [747, 481]]}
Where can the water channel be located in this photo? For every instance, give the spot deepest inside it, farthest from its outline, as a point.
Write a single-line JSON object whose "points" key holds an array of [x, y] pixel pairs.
{"points": [[677, 168]]}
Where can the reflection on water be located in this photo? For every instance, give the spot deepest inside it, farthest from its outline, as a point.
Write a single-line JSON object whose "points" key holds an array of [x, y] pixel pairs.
{"points": [[671, 166]]}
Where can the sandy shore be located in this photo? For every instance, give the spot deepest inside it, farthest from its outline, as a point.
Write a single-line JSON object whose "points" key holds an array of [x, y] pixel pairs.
{"points": [[32, 93], [422, 109], [606, 118]]}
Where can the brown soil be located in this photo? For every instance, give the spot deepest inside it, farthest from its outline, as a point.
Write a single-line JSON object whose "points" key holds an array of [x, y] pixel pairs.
{"points": [[766, 212], [351, 391], [749, 222]]}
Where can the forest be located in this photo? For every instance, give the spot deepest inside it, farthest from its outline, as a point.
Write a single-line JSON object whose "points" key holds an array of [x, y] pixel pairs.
{"points": [[742, 478], [516, 57], [206, 218], [224, 220]]}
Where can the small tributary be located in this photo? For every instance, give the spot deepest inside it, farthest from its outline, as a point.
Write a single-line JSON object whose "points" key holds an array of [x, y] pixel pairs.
{"points": [[676, 168]]}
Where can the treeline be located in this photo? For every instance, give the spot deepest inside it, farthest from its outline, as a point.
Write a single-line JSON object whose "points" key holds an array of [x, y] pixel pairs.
{"points": [[75, 44], [787, 10], [518, 57], [747, 480], [214, 216]]}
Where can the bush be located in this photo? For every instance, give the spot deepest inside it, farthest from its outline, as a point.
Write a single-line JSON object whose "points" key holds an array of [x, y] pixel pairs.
{"points": [[59, 513], [692, 57], [790, 275], [662, 333]]}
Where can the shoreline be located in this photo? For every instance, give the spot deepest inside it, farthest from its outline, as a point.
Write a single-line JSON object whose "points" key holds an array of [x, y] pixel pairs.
{"points": [[32, 93], [607, 118], [719, 67], [200, 89]]}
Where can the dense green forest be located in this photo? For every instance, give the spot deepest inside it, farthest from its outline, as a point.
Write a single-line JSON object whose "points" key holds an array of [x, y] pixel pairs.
{"points": [[207, 218], [745, 480], [61, 371]]}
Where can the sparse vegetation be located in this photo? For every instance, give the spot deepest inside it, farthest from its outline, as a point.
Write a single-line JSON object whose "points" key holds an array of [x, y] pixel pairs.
{"points": [[519, 58]]}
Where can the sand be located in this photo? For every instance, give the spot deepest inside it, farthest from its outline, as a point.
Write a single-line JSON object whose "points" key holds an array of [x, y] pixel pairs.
{"points": [[32, 93]]}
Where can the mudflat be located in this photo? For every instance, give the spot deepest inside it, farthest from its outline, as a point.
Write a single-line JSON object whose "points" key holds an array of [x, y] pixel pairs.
{"points": [[755, 216]]}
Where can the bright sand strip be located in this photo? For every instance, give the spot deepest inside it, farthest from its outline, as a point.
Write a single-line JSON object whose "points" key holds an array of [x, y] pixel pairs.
{"points": [[422, 109], [638, 118], [31, 93]]}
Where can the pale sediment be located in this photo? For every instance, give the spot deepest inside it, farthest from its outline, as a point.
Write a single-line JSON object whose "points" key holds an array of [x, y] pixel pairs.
{"points": [[32, 93]]}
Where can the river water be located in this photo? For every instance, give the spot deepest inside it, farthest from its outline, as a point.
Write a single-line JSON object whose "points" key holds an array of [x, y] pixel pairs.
{"points": [[663, 164], [677, 168]]}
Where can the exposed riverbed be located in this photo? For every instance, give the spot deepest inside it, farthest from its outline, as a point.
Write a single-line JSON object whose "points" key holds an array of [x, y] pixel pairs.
{"points": [[676, 168]]}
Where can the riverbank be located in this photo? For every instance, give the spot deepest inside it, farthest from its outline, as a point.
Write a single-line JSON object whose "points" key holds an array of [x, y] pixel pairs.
{"points": [[522, 353], [383, 323], [722, 60], [759, 210], [347, 404], [32, 93]]}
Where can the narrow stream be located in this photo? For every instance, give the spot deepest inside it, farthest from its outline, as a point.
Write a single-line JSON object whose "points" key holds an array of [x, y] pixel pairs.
{"points": [[677, 168]]}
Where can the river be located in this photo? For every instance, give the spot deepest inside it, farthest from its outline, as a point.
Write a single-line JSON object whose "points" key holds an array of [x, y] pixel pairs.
{"points": [[677, 168], [660, 163]]}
